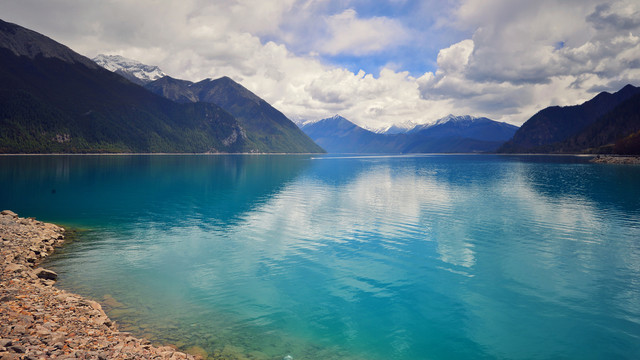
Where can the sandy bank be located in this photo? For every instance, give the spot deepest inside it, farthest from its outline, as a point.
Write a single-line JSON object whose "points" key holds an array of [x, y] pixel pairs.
{"points": [[39, 321]]}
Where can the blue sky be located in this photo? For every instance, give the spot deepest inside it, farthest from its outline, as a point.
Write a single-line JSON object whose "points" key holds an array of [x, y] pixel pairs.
{"points": [[416, 55], [416, 52], [374, 62]]}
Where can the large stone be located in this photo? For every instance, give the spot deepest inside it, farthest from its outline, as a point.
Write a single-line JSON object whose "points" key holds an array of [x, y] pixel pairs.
{"points": [[94, 305], [19, 330], [5, 342], [9, 213], [32, 257], [67, 297], [11, 268], [42, 331], [45, 274], [17, 349], [9, 356], [102, 320]]}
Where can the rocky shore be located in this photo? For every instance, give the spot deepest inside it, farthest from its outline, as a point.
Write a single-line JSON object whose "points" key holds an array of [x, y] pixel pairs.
{"points": [[612, 159], [39, 321]]}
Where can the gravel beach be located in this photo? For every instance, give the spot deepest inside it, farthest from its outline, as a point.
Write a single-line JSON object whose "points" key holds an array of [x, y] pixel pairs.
{"points": [[40, 321]]}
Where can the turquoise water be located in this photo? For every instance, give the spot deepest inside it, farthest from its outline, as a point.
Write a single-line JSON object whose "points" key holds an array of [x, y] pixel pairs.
{"points": [[417, 257]]}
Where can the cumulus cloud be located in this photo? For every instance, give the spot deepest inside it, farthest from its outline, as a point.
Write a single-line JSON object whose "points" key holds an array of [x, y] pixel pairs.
{"points": [[525, 55], [618, 17], [455, 58], [349, 34]]}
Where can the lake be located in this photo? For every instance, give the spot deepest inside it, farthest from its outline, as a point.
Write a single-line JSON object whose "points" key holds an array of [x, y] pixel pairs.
{"points": [[329, 257]]}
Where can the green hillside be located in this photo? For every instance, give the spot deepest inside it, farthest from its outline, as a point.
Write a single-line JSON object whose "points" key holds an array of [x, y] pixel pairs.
{"points": [[267, 129]]}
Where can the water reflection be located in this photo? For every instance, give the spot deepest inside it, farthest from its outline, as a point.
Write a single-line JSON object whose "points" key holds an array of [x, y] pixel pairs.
{"points": [[163, 189], [390, 257]]}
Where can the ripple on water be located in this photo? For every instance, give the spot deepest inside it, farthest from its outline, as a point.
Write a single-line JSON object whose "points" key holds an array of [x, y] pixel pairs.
{"points": [[388, 258]]}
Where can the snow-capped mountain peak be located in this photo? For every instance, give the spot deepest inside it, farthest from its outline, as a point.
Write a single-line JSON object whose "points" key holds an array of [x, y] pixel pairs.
{"points": [[456, 119], [309, 122], [451, 120], [397, 128], [133, 70]]}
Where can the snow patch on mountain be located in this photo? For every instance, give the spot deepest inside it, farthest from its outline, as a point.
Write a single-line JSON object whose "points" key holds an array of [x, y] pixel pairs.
{"points": [[131, 69], [310, 122], [459, 121], [399, 128]]}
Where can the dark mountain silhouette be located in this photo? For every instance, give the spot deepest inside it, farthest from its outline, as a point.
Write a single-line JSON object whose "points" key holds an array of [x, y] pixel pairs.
{"points": [[615, 132], [556, 124]]}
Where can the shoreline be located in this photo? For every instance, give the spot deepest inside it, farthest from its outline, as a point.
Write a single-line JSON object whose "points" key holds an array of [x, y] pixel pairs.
{"points": [[616, 159], [40, 321], [163, 154]]}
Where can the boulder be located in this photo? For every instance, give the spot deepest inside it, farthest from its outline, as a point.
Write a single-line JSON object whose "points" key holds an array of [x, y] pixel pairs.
{"points": [[11, 268], [45, 274], [9, 213], [5, 342]]}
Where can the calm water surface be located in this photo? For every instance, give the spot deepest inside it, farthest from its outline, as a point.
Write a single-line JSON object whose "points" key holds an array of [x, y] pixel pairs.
{"points": [[418, 257]]}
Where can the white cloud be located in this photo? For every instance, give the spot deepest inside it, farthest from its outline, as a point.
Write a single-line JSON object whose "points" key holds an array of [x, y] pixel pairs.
{"points": [[455, 58], [349, 34], [515, 57], [526, 55]]}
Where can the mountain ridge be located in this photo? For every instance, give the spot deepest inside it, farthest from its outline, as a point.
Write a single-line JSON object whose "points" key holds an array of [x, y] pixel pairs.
{"points": [[555, 124], [264, 123], [398, 128], [25, 42], [339, 135], [613, 132], [54, 100], [132, 70]]}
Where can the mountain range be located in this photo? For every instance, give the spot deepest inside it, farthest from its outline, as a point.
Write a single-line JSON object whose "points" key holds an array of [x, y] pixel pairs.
{"points": [[571, 129], [595, 126], [55, 100], [452, 134]]}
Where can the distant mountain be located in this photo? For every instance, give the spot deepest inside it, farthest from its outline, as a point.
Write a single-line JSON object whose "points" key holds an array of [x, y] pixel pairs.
{"points": [[556, 124], [471, 127], [55, 100], [132, 70], [267, 128], [399, 128], [460, 134], [339, 135], [448, 135]]}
